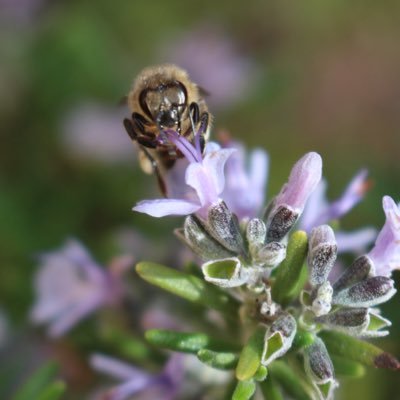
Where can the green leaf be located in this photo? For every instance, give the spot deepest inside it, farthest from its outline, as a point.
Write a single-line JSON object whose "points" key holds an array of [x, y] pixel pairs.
{"points": [[289, 380], [250, 357], [186, 342], [127, 344], [271, 390], [348, 368], [244, 390], [357, 350], [54, 391], [302, 339], [290, 271], [225, 361], [37, 382], [189, 287]]}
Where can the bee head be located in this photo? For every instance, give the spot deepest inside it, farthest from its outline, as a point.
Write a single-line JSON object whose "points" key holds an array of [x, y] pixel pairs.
{"points": [[165, 104]]}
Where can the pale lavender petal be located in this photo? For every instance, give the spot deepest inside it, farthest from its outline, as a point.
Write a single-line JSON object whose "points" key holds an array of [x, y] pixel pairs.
{"points": [[303, 179], [66, 320], [258, 170], [386, 252], [126, 390], [211, 146], [214, 163], [316, 204], [355, 241], [244, 190], [117, 369], [174, 369], [353, 194], [74, 251], [198, 177], [162, 207], [175, 181]]}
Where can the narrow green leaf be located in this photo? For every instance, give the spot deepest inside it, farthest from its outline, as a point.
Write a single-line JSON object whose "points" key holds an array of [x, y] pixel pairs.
{"points": [[348, 368], [225, 361], [302, 339], [270, 390], [289, 380], [244, 390], [189, 287], [186, 342], [290, 271], [37, 382], [127, 344], [357, 350], [250, 357], [54, 391]]}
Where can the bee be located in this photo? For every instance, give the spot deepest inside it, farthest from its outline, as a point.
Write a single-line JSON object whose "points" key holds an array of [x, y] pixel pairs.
{"points": [[164, 98]]}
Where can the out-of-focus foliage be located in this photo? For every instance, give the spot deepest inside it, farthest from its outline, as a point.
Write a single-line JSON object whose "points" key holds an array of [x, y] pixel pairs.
{"points": [[326, 78]]}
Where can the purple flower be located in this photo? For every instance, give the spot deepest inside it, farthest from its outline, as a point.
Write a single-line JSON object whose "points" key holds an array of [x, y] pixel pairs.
{"points": [[213, 61], [303, 179], [355, 241], [204, 178], [69, 286], [385, 254], [135, 381], [326, 211], [289, 203], [245, 181], [94, 132]]}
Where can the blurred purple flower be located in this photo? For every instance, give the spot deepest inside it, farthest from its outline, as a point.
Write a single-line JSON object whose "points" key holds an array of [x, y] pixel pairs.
{"points": [[245, 181], [19, 11], [70, 285], [355, 241], [164, 385], [386, 252], [326, 211], [303, 179], [204, 175], [213, 61], [319, 211], [94, 132]]}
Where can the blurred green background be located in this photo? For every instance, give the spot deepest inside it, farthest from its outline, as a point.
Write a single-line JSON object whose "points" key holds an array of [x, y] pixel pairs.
{"points": [[315, 75]]}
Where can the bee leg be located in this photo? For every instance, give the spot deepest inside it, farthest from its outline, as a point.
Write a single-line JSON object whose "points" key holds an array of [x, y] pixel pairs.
{"points": [[130, 129], [141, 139], [203, 130], [194, 112], [156, 170], [139, 122], [147, 142]]}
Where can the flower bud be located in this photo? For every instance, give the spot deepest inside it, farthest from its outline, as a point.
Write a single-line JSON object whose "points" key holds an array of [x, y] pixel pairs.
{"points": [[322, 254], [224, 227], [271, 254], [367, 293], [279, 338], [200, 241], [255, 233], [352, 321], [357, 271]]}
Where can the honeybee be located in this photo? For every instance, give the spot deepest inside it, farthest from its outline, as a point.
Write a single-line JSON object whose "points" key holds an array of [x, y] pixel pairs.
{"points": [[163, 98]]}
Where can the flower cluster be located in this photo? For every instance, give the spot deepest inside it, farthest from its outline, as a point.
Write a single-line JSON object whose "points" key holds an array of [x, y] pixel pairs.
{"points": [[285, 323], [280, 277]]}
